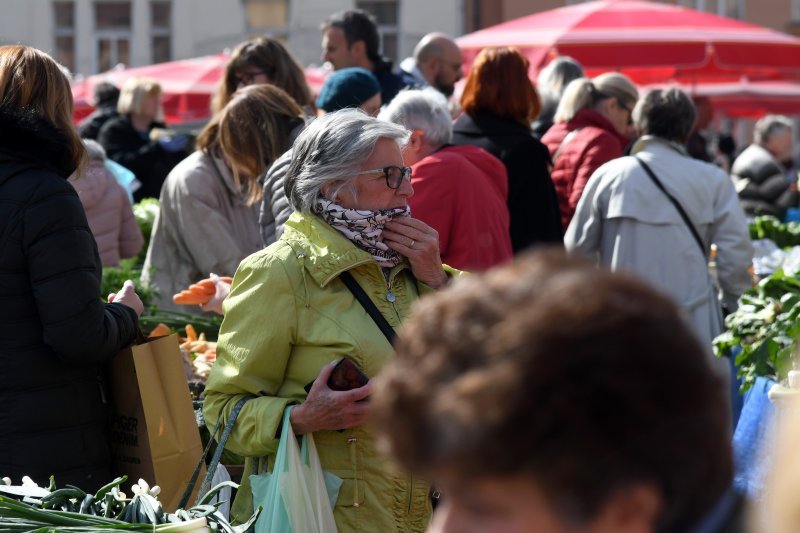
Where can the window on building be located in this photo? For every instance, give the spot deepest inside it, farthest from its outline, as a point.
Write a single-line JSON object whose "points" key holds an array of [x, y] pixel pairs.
{"points": [[160, 29], [113, 34], [64, 15], [387, 14], [795, 11], [268, 17]]}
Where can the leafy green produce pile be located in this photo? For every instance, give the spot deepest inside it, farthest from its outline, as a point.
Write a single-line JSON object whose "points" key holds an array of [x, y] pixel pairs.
{"points": [[766, 326], [145, 213], [768, 227]]}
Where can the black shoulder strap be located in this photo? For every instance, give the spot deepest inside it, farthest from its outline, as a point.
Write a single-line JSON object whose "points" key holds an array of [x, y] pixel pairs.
{"points": [[369, 306], [215, 459], [677, 205]]}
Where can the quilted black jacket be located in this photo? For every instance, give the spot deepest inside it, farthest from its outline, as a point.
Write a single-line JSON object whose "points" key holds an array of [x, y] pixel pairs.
{"points": [[55, 333]]}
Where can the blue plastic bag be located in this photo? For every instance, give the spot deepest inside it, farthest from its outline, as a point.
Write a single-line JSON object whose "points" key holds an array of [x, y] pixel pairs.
{"points": [[124, 177], [751, 440], [297, 496], [792, 214]]}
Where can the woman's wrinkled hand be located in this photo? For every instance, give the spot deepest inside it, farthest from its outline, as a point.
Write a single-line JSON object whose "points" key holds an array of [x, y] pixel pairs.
{"points": [[127, 296], [326, 409], [420, 244]]}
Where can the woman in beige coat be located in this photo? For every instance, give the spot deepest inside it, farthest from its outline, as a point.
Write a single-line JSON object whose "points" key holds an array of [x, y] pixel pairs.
{"points": [[208, 220], [628, 224], [108, 209]]}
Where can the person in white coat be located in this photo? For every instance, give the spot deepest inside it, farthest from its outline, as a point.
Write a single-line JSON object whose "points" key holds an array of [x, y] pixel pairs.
{"points": [[629, 224]]}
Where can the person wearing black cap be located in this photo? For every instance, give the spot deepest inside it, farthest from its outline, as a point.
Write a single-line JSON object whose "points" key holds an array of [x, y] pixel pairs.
{"points": [[348, 87]]}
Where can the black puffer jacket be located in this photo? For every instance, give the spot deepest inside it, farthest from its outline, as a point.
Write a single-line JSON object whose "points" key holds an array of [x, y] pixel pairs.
{"points": [[145, 158], [761, 183], [55, 333], [532, 201]]}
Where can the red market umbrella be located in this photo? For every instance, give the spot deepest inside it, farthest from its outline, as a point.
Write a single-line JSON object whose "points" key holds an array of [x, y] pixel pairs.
{"points": [[648, 41], [315, 77], [188, 86], [81, 102], [749, 99]]}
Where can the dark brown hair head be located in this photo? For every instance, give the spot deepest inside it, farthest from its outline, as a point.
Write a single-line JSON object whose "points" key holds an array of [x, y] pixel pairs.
{"points": [[272, 57], [587, 381], [251, 132]]}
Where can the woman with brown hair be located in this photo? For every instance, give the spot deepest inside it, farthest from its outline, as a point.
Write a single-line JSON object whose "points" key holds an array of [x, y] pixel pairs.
{"points": [[499, 103], [55, 331], [208, 219], [263, 60]]}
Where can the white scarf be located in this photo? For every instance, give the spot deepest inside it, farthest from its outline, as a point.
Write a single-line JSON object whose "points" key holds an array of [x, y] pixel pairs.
{"points": [[363, 228]]}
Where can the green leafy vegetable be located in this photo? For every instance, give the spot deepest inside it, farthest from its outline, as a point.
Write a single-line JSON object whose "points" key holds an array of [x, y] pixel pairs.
{"points": [[766, 327], [769, 227], [145, 213]]}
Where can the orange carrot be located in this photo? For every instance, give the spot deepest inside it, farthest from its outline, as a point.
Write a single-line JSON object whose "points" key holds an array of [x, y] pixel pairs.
{"points": [[186, 297], [160, 330], [205, 284], [191, 334]]}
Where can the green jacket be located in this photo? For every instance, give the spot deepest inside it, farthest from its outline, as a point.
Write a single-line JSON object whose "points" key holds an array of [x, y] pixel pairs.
{"points": [[289, 314]]}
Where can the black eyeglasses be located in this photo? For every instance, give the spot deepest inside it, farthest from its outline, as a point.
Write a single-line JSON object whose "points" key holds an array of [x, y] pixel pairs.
{"points": [[249, 77], [394, 175], [629, 110]]}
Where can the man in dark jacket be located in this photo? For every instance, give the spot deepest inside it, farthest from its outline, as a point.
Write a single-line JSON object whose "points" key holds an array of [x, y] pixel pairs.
{"points": [[350, 39], [760, 178], [55, 332]]}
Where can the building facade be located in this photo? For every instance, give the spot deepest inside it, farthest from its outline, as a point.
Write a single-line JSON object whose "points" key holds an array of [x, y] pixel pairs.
{"points": [[91, 36], [781, 15]]}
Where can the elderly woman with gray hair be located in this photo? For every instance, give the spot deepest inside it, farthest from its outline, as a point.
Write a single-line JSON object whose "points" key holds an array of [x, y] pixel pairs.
{"points": [[656, 214], [291, 316]]}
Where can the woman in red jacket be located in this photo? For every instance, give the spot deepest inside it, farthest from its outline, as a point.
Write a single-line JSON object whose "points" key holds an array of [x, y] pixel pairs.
{"points": [[593, 126]]}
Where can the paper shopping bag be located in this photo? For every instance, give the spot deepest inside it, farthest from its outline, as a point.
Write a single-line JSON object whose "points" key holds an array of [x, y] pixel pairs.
{"points": [[154, 433]]}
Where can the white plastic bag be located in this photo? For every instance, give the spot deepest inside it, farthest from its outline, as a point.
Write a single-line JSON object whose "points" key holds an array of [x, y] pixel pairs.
{"points": [[297, 496]]}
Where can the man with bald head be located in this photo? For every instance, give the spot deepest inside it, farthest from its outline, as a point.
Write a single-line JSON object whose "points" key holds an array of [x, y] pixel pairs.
{"points": [[436, 63]]}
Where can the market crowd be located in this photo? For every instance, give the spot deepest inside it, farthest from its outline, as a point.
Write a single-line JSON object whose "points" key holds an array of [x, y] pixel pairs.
{"points": [[557, 373]]}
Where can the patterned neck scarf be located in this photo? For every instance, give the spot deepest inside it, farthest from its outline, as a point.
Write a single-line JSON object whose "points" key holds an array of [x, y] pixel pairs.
{"points": [[363, 228]]}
